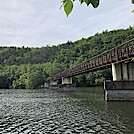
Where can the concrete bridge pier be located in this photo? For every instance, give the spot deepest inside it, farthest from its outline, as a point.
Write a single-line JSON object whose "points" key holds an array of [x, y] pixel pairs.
{"points": [[122, 86], [53, 84], [67, 84], [67, 81]]}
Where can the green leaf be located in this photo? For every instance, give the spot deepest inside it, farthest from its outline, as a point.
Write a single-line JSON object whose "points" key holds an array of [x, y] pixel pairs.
{"points": [[95, 3], [87, 2], [133, 1], [132, 11], [68, 6]]}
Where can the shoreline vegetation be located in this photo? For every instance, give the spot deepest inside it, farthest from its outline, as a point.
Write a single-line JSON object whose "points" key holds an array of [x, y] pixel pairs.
{"points": [[29, 68]]}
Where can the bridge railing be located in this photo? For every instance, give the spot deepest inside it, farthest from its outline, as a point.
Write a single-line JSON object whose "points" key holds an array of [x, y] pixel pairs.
{"points": [[117, 54]]}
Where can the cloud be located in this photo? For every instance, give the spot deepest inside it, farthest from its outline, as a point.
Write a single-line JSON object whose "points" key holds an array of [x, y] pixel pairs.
{"points": [[37, 22]]}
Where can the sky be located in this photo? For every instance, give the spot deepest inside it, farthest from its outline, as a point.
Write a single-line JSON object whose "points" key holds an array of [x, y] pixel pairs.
{"points": [[37, 23]]}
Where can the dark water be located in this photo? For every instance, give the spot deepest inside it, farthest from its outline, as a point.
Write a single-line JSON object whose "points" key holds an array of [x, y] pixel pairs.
{"points": [[49, 112]]}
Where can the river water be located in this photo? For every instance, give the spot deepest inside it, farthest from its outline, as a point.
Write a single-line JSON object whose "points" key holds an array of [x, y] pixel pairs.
{"points": [[43, 111]]}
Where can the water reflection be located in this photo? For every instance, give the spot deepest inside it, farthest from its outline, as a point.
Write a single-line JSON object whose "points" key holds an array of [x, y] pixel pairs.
{"points": [[118, 114], [47, 111], [123, 113]]}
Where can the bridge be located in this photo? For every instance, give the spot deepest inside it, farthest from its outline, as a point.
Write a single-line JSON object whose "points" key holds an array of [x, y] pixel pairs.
{"points": [[119, 58]]}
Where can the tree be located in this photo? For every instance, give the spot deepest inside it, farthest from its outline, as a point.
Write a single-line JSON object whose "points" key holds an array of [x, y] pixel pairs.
{"points": [[68, 4]]}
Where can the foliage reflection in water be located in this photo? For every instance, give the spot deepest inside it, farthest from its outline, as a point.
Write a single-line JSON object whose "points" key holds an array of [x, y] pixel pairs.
{"points": [[46, 111]]}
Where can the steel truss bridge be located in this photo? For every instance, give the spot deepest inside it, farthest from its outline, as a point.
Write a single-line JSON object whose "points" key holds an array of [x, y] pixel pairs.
{"points": [[117, 54]]}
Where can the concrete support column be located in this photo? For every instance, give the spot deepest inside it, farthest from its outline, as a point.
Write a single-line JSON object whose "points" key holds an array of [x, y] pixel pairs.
{"points": [[53, 83], [117, 71], [131, 71], [67, 80], [124, 70]]}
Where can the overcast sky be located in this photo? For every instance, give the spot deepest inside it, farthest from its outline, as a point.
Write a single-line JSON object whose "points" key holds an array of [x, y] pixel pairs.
{"points": [[37, 23]]}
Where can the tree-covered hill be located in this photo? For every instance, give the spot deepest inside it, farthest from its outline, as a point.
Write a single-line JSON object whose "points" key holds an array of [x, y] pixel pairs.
{"points": [[22, 67]]}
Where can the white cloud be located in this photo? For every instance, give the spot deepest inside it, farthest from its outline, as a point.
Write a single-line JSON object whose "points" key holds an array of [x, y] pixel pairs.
{"points": [[38, 22]]}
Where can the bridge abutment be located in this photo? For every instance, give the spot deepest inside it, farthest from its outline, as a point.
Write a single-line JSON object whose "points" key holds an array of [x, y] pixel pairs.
{"points": [[122, 86]]}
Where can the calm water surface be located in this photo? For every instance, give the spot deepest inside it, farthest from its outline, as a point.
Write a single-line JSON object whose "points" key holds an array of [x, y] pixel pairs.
{"points": [[43, 111]]}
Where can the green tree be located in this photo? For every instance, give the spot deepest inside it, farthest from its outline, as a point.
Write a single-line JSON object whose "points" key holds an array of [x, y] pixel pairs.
{"points": [[35, 77], [29, 68], [20, 83]]}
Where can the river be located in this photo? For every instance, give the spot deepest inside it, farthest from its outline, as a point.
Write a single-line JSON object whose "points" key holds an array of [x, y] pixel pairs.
{"points": [[44, 111]]}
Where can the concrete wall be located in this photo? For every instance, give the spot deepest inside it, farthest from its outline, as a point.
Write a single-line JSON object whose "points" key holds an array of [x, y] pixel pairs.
{"points": [[119, 95], [119, 90], [119, 85]]}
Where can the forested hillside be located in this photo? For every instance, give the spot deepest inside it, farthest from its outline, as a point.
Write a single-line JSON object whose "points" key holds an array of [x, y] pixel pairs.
{"points": [[30, 67]]}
